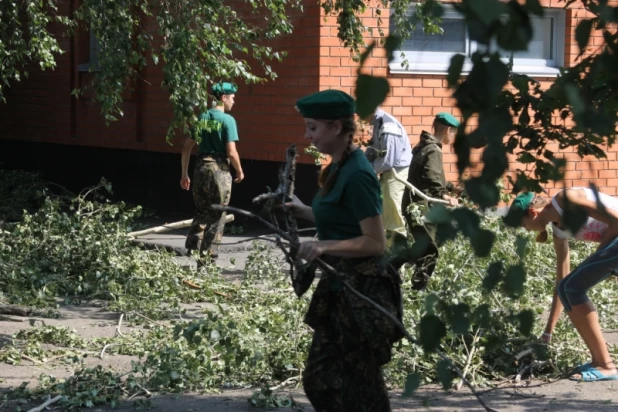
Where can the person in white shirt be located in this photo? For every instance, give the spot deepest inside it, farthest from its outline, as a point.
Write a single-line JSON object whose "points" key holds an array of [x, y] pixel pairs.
{"points": [[390, 151]]}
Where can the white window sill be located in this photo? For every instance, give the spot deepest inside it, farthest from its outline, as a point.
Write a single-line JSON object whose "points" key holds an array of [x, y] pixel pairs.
{"points": [[395, 67]]}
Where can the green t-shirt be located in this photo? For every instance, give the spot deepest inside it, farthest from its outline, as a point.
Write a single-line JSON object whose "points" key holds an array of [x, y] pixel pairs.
{"points": [[355, 196], [213, 142]]}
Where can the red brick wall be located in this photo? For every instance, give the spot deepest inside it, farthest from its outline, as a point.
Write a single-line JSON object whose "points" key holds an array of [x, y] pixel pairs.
{"points": [[38, 107], [267, 120], [41, 108]]}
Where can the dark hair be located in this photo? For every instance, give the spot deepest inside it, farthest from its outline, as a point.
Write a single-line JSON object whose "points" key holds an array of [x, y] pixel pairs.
{"points": [[539, 203], [327, 179]]}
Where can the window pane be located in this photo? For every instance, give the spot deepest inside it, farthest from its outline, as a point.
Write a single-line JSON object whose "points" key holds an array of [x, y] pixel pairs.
{"points": [[542, 44], [452, 40]]}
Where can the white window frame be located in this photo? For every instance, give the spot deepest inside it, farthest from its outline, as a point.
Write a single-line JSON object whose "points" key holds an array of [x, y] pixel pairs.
{"points": [[437, 63]]}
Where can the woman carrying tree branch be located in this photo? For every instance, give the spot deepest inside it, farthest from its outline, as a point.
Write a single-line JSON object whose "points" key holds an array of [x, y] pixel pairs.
{"points": [[352, 340], [571, 288]]}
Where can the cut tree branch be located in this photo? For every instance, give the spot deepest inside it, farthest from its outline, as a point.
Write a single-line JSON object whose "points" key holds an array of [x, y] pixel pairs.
{"points": [[417, 192], [14, 310], [46, 404]]}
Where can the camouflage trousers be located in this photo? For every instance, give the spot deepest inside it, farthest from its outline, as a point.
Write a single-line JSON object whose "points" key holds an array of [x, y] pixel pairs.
{"points": [[423, 254], [212, 184], [352, 341]]}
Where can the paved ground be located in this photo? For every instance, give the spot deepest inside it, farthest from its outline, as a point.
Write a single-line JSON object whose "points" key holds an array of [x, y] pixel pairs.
{"points": [[91, 321]]}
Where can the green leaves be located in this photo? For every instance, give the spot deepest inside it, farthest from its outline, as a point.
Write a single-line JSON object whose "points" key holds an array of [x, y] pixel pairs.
{"points": [[520, 246], [432, 330], [482, 192], [367, 52], [445, 374], [575, 100], [535, 7], [494, 276], [438, 214], [582, 33], [488, 10], [413, 382], [517, 32], [526, 321], [370, 93], [454, 69], [514, 280], [391, 44], [459, 318], [482, 242], [25, 39]]}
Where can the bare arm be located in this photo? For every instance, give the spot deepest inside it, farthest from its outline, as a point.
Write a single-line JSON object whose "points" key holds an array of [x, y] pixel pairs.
{"points": [[184, 163], [305, 212], [563, 268], [232, 154], [372, 242], [300, 210]]}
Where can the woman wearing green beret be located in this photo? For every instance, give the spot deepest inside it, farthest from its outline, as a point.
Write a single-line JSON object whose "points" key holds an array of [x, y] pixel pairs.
{"points": [[571, 288], [352, 340]]}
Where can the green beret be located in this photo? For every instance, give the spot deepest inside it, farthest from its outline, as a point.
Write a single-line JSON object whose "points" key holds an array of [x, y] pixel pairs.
{"points": [[219, 89], [447, 119], [518, 209], [327, 104]]}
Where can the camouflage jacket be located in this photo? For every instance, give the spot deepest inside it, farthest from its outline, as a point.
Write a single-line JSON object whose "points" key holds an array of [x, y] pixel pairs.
{"points": [[427, 170]]}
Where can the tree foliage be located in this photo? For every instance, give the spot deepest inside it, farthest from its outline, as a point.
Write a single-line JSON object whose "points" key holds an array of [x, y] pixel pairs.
{"points": [[203, 41], [25, 38], [196, 42], [252, 332]]}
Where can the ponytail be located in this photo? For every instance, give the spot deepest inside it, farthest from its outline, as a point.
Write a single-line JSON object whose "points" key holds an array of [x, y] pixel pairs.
{"points": [[327, 179]]}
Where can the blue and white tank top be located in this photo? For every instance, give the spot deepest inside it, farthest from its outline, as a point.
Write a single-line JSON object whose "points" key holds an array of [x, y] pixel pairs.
{"points": [[593, 230]]}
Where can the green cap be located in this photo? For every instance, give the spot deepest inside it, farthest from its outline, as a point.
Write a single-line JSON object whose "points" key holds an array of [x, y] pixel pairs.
{"points": [[222, 88], [327, 104], [447, 119], [518, 209]]}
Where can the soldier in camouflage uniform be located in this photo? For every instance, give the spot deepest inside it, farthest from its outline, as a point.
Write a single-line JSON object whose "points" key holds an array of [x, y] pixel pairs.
{"points": [[352, 339], [212, 179], [427, 174]]}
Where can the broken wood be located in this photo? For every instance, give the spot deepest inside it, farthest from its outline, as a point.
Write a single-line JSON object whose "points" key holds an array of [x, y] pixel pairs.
{"points": [[46, 404], [10, 319], [14, 310], [170, 226], [190, 284], [416, 191]]}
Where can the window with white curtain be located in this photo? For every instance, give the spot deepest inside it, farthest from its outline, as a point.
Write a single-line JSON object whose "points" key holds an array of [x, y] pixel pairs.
{"points": [[431, 53]]}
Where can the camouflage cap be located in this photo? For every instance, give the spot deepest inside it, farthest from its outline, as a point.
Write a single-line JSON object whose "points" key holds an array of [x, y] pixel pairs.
{"points": [[219, 89], [447, 119], [327, 104]]}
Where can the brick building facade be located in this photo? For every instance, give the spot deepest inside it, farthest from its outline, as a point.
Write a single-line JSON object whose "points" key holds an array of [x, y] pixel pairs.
{"points": [[42, 126]]}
